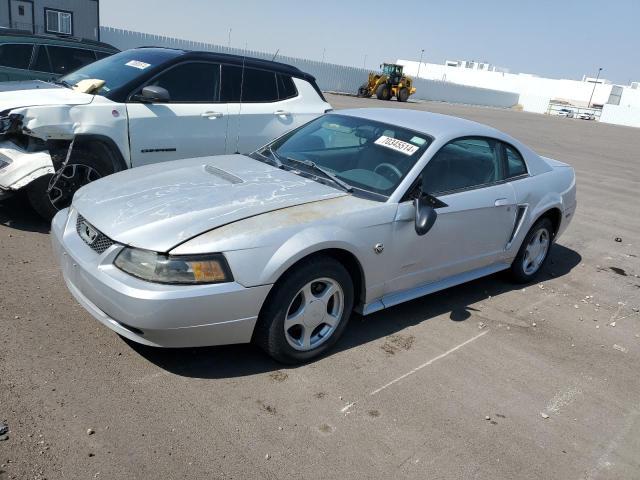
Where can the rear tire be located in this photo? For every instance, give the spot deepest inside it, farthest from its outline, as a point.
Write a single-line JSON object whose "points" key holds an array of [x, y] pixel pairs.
{"points": [[306, 312], [383, 92], [403, 95], [533, 252], [84, 167]]}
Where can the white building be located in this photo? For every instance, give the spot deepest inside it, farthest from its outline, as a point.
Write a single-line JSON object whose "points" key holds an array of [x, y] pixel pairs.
{"points": [[536, 93]]}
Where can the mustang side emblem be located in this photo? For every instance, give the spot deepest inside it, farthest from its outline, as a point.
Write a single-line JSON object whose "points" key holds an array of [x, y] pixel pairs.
{"points": [[88, 233], [378, 248]]}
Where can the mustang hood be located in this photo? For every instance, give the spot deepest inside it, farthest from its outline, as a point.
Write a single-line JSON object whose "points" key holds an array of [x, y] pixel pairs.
{"points": [[37, 93], [159, 206]]}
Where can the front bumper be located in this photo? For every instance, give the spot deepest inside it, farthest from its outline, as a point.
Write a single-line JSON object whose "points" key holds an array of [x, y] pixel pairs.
{"points": [[19, 168], [150, 313]]}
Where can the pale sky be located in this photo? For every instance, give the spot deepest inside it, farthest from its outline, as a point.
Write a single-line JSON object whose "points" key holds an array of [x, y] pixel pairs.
{"points": [[555, 38]]}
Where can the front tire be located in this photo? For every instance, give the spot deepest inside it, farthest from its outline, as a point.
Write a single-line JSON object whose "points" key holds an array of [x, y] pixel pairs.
{"points": [[383, 92], [403, 95], [533, 252], [306, 312], [84, 167]]}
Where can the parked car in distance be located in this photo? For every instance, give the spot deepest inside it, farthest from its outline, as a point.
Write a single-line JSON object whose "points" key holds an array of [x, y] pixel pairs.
{"points": [[143, 106], [24, 56], [586, 116], [565, 112], [359, 209]]}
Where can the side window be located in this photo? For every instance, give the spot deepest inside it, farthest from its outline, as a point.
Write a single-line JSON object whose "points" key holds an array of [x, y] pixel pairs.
{"points": [[191, 82], [515, 163], [15, 55], [256, 86], [286, 87], [41, 62], [463, 163], [65, 59]]}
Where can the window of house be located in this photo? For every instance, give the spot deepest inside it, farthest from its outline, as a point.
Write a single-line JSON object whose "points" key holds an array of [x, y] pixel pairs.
{"points": [[191, 82], [21, 10], [515, 163], [461, 164], [15, 55], [59, 22]]}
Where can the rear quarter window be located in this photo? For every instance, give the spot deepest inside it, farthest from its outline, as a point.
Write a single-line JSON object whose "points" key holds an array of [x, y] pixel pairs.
{"points": [[15, 55], [515, 163], [286, 87]]}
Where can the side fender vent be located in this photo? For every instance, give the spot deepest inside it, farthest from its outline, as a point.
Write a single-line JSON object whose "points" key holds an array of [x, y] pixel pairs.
{"points": [[517, 224]]}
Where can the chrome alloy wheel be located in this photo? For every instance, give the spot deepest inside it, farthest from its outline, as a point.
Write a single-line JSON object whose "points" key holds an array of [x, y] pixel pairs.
{"points": [[70, 180], [314, 314], [536, 251]]}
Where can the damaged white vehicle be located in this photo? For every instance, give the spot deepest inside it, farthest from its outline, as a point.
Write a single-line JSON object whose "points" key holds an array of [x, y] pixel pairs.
{"points": [[143, 106]]}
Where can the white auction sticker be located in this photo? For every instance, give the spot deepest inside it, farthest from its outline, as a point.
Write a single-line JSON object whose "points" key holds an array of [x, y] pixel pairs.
{"points": [[138, 64], [397, 145]]}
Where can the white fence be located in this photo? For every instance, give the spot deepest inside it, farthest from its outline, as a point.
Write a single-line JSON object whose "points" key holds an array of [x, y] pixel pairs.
{"points": [[330, 77]]}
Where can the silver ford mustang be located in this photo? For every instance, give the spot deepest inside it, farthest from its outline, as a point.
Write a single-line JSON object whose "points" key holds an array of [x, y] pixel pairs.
{"points": [[361, 209]]}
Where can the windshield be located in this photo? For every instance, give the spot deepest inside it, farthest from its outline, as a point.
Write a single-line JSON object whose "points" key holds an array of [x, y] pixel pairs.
{"points": [[364, 154], [121, 68]]}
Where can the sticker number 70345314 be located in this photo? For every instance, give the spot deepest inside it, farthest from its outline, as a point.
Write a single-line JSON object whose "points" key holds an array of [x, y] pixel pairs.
{"points": [[397, 145]]}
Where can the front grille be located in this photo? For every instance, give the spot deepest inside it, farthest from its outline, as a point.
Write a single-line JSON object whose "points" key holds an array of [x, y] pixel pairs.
{"points": [[100, 244]]}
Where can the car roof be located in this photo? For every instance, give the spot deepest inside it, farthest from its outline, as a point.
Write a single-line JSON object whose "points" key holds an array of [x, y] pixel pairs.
{"points": [[8, 35], [433, 124], [239, 60]]}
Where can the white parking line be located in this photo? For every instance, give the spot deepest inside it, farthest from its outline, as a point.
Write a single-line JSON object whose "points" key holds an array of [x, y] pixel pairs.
{"points": [[346, 408], [426, 364]]}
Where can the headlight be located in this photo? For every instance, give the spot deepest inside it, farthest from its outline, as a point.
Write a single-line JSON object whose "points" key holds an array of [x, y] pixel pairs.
{"points": [[181, 269], [3, 163]]}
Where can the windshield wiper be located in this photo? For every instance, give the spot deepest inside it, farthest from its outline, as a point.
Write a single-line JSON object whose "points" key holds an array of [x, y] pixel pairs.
{"points": [[346, 187], [64, 83], [274, 156]]}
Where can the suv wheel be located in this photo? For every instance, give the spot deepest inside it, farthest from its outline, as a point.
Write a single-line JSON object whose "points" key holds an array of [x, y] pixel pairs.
{"points": [[533, 252], [84, 167], [306, 312]]}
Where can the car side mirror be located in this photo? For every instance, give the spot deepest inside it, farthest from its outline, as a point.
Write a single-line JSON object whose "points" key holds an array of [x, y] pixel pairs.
{"points": [[426, 215], [154, 94]]}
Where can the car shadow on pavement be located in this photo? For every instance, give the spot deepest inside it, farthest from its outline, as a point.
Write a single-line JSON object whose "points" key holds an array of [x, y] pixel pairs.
{"points": [[242, 360], [15, 212]]}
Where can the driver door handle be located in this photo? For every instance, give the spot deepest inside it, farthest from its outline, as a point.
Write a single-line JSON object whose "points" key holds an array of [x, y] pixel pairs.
{"points": [[501, 202], [211, 114], [284, 113]]}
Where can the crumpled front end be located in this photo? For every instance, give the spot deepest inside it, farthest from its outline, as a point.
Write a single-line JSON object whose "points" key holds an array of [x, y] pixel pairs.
{"points": [[25, 155]]}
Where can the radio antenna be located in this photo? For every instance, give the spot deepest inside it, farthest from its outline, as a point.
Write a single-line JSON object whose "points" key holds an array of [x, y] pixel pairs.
{"points": [[240, 109], [275, 55]]}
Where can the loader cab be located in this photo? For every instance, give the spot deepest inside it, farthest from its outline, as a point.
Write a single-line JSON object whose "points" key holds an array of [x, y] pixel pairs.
{"points": [[394, 72]]}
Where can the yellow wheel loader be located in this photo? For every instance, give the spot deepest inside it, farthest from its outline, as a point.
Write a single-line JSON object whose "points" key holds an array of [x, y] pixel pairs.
{"points": [[389, 83]]}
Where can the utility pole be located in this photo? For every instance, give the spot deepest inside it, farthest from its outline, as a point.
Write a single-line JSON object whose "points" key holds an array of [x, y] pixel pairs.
{"points": [[364, 64], [229, 40], [420, 63], [324, 50], [594, 86]]}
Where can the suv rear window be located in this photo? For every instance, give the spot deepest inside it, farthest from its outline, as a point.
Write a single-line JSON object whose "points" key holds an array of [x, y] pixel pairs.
{"points": [[256, 86], [15, 55], [66, 59]]}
